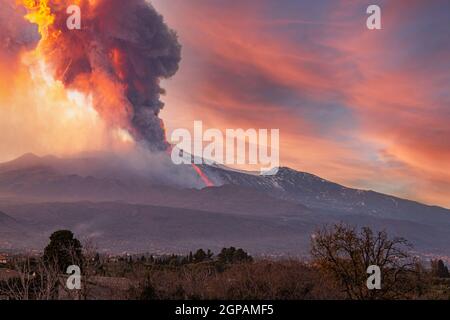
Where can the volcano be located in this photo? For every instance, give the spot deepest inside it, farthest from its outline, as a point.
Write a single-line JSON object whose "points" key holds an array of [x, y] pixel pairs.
{"points": [[123, 206]]}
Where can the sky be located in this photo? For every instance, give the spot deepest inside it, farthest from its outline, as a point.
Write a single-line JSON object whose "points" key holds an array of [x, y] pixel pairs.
{"points": [[366, 108]]}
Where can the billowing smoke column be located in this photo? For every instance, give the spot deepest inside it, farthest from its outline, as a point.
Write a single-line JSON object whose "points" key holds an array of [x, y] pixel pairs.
{"points": [[118, 58]]}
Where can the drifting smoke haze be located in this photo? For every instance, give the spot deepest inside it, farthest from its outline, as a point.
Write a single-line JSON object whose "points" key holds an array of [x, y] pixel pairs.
{"points": [[16, 34]]}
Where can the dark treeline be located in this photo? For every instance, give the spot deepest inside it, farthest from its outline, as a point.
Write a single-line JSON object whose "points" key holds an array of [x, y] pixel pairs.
{"points": [[226, 256], [340, 257]]}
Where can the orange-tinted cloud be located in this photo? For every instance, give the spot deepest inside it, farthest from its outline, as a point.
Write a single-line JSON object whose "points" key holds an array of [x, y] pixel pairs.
{"points": [[366, 108]]}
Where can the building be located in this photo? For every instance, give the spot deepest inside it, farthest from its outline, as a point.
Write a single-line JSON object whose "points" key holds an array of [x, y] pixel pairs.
{"points": [[3, 259]]}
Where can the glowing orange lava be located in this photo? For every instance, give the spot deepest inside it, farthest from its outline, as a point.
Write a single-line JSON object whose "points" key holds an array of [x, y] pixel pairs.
{"points": [[203, 176]]}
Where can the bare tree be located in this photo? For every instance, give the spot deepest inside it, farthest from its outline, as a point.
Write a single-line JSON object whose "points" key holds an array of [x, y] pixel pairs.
{"points": [[18, 286], [41, 278], [47, 280], [32, 279], [346, 254], [89, 268], [88, 264]]}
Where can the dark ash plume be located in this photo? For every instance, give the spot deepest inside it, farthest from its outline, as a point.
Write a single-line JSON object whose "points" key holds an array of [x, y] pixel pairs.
{"points": [[120, 56]]}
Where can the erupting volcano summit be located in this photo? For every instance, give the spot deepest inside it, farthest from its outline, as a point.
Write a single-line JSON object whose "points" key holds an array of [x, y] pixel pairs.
{"points": [[118, 58]]}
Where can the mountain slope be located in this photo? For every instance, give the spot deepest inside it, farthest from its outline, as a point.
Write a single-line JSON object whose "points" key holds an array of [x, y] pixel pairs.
{"points": [[13, 232], [125, 208], [333, 198], [118, 227]]}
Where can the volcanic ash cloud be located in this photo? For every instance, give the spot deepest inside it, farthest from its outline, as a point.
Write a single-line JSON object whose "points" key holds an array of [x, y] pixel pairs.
{"points": [[119, 56]]}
